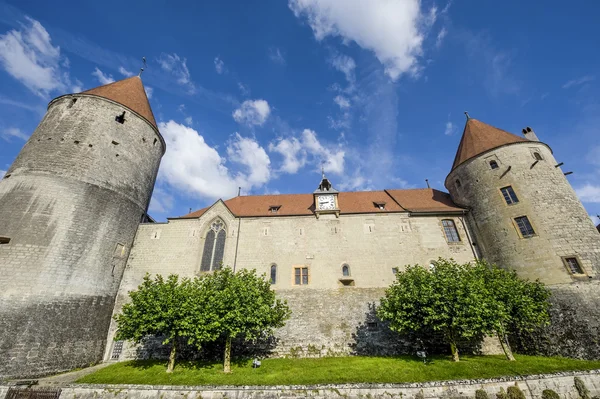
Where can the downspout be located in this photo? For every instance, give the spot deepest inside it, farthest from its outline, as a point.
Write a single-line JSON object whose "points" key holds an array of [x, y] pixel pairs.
{"points": [[462, 220], [237, 243]]}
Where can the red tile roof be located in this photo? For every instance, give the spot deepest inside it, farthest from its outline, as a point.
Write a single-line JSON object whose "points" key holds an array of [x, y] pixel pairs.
{"points": [[479, 137], [128, 92], [416, 200]]}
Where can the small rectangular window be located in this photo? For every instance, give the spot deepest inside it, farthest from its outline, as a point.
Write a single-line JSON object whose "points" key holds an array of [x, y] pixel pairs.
{"points": [[4, 240], [573, 265], [301, 275], [509, 195], [450, 231], [117, 350], [379, 205], [524, 226], [372, 326], [274, 208], [395, 270]]}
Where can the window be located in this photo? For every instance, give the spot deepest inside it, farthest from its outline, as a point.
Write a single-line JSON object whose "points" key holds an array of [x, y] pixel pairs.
{"points": [[120, 118], [524, 226], [573, 265], [537, 156], [117, 350], [509, 195], [395, 270], [493, 164], [4, 240], [457, 183], [274, 208], [450, 231], [214, 247], [379, 205], [119, 251], [346, 271], [73, 101], [273, 273], [372, 326], [301, 275]]}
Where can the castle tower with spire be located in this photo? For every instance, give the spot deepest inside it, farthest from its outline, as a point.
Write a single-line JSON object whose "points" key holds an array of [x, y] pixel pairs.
{"points": [[522, 210], [70, 205]]}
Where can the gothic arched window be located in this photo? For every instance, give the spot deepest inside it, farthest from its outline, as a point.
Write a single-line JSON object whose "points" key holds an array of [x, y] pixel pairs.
{"points": [[214, 247], [273, 273]]}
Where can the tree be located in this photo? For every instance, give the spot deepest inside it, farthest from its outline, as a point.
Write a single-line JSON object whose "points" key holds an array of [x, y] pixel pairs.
{"points": [[241, 304], [451, 299], [170, 308], [525, 302]]}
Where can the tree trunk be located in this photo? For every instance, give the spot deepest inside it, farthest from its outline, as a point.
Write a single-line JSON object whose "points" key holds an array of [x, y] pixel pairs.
{"points": [[454, 351], [171, 364], [505, 346], [227, 357]]}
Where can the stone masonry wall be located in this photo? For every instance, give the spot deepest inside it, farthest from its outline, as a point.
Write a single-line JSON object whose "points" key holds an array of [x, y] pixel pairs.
{"points": [[71, 208], [326, 314]]}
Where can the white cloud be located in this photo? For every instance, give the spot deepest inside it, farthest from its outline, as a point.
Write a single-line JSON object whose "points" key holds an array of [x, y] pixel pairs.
{"points": [[219, 66], [252, 112], [276, 56], [149, 91], [189, 121], [193, 166], [342, 102], [102, 78], [125, 72], [450, 129], [297, 152], [162, 201], [177, 66], [579, 81], [346, 65], [2, 173], [13, 132], [29, 56], [244, 89], [440, 37], [589, 193], [393, 29], [247, 152]]}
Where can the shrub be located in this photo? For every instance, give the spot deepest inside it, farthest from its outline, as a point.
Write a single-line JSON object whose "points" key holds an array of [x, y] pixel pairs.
{"points": [[549, 394], [481, 394], [501, 394], [420, 395], [515, 392], [581, 388]]}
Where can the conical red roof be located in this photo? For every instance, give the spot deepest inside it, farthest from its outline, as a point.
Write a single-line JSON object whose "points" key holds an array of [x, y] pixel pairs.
{"points": [[479, 137], [128, 92]]}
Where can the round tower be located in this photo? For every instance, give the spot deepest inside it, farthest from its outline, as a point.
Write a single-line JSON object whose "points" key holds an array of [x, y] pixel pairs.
{"points": [[524, 213], [70, 205]]}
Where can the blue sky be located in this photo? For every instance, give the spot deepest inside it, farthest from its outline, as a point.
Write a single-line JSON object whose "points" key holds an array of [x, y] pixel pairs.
{"points": [[260, 94]]}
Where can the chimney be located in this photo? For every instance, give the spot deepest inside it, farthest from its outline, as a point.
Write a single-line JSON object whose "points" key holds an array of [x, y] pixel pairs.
{"points": [[530, 134]]}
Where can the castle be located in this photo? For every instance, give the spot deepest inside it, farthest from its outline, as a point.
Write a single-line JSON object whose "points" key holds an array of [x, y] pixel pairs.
{"points": [[75, 235]]}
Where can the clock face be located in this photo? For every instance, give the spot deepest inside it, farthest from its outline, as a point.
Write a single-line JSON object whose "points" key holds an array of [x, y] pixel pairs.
{"points": [[325, 202]]}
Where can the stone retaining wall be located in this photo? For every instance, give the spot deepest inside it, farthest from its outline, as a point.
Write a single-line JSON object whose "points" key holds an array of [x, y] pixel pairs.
{"points": [[532, 386]]}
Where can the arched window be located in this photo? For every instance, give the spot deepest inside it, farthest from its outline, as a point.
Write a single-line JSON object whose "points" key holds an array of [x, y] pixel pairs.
{"points": [[273, 273], [493, 164], [537, 156], [346, 271], [214, 247], [450, 230]]}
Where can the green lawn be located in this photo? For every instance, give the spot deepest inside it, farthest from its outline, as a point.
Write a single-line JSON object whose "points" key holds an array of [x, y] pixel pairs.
{"points": [[332, 370]]}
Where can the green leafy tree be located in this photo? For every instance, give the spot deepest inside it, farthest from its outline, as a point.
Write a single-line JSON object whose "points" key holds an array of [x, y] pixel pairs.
{"points": [[171, 308], [451, 299], [241, 304], [525, 302]]}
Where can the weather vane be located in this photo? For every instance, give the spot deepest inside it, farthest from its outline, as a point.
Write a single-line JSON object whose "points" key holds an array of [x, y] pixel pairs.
{"points": [[144, 66], [467, 114]]}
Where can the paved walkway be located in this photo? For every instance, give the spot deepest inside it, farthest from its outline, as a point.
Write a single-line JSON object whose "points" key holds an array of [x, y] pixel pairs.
{"points": [[69, 377]]}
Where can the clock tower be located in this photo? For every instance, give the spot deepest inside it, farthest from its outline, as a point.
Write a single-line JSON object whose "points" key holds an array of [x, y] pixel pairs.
{"points": [[326, 198]]}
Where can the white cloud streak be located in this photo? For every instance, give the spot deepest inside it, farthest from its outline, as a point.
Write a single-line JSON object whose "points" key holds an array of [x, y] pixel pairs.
{"points": [[2, 173], [13, 133], [28, 55], [177, 67], [393, 30], [252, 112], [104, 79], [579, 81], [450, 129], [276, 56], [219, 66], [589, 193], [196, 168], [125, 72]]}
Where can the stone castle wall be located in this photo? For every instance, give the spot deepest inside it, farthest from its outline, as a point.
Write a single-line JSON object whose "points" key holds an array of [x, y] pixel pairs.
{"points": [[326, 313], [562, 226], [70, 207]]}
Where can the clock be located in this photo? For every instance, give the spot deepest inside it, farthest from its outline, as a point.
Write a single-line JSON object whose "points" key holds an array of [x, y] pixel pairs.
{"points": [[325, 202]]}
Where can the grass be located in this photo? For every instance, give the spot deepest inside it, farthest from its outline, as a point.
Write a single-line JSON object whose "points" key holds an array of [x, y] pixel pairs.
{"points": [[334, 370]]}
